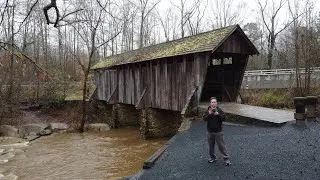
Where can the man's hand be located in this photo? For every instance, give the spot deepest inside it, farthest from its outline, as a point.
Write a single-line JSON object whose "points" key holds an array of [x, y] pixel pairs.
{"points": [[210, 110]]}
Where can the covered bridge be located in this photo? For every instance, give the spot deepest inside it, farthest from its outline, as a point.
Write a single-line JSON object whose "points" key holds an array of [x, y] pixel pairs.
{"points": [[164, 75], [170, 75]]}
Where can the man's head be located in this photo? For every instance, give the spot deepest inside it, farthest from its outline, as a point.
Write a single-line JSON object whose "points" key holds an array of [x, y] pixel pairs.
{"points": [[213, 102]]}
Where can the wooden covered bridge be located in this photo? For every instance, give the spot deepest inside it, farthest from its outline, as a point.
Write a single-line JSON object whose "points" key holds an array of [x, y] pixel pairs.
{"points": [[164, 75], [169, 75]]}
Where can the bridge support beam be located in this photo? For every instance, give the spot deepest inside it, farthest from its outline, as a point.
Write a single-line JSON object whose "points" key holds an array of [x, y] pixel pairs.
{"points": [[158, 123], [300, 114]]}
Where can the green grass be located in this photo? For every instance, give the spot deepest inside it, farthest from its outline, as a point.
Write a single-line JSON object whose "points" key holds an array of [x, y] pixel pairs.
{"points": [[273, 98], [75, 91]]}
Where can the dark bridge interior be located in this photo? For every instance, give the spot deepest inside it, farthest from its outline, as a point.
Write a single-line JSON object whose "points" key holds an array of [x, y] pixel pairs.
{"points": [[223, 78]]}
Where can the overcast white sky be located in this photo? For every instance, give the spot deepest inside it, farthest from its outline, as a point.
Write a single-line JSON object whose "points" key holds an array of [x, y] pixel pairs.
{"points": [[252, 12]]}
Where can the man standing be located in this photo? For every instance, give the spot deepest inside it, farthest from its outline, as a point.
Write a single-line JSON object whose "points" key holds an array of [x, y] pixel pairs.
{"points": [[214, 117]]}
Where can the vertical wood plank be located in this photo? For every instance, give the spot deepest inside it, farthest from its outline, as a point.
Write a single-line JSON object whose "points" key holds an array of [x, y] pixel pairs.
{"points": [[178, 83], [137, 83], [128, 88], [123, 84], [147, 84], [174, 84], [161, 84], [134, 84], [108, 94], [116, 84], [166, 82], [121, 88], [169, 85], [184, 82], [103, 75], [98, 84], [157, 88], [152, 99]]}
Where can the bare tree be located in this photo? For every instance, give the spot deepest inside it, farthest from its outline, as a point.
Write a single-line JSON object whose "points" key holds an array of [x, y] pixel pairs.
{"points": [[270, 21], [145, 10], [88, 30], [228, 12], [165, 22], [195, 23], [186, 12]]}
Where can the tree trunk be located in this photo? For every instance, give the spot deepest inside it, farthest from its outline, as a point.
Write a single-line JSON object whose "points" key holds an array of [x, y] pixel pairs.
{"points": [[86, 74], [270, 50], [11, 77], [296, 57], [182, 29], [141, 32], [84, 102]]}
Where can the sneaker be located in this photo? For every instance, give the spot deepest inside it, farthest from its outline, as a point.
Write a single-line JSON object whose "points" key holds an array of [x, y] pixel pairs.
{"points": [[227, 163], [211, 160]]}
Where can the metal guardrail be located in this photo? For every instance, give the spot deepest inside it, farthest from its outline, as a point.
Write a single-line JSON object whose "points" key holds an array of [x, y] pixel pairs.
{"points": [[279, 71]]}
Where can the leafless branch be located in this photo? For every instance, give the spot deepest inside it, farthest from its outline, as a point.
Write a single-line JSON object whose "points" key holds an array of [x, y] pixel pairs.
{"points": [[25, 56], [4, 10], [262, 10], [64, 16], [53, 4]]}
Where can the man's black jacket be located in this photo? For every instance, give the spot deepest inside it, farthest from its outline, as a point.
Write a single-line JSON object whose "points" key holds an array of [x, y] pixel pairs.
{"points": [[214, 122]]}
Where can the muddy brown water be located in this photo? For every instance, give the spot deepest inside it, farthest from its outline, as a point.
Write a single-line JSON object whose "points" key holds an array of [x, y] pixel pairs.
{"points": [[109, 155]]}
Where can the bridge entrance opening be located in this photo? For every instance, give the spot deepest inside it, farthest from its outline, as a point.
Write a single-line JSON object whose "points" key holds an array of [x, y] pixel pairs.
{"points": [[224, 77]]}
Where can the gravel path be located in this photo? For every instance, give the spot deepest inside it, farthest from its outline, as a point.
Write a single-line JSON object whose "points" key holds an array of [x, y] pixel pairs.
{"points": [[287, 152]]}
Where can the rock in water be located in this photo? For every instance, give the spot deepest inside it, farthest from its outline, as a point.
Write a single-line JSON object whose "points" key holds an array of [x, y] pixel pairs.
{"points": [[31, 129], [45, 132], [7, 130], [59, 126], [98, 127], [32, 137]]}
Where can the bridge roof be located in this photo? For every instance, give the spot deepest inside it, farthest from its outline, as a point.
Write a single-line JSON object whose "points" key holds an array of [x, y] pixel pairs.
{"points": [[203, 42]]}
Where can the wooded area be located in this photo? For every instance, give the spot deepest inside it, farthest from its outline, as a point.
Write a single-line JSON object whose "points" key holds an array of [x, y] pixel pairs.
{"points": [[46, 46]]}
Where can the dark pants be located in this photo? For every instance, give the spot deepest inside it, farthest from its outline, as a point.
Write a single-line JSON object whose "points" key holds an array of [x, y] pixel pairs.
{"points": [[217, 137]]}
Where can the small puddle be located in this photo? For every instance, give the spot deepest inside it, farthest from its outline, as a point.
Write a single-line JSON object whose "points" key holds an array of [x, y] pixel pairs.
{"points": [[109, 155]]}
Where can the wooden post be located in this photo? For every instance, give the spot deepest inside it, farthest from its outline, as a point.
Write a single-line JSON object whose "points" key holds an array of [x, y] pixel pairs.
{"points": [[234, 69], [300, 114], [311, 105], [318, 107], [141, 101]]}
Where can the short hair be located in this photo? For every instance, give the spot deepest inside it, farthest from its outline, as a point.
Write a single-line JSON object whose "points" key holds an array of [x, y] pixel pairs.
{"points": [[213, 98]]}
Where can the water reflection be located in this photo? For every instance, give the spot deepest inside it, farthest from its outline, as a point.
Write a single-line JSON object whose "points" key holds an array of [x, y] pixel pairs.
{"points": [[109, 155]]}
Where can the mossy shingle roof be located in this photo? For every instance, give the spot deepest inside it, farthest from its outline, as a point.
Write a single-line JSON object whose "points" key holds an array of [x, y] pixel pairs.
{"points": [[206, 41]]}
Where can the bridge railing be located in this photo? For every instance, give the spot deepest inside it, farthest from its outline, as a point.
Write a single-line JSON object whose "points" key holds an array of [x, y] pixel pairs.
{"points": [[279, 71]]}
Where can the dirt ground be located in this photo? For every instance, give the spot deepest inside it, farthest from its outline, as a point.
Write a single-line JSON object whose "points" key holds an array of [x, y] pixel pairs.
{"points": [[70, 114]]}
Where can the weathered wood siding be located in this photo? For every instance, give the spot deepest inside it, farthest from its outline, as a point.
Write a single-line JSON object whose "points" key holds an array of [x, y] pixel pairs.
{"points": [[168, 82], [235, 44], [106, 82]]}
